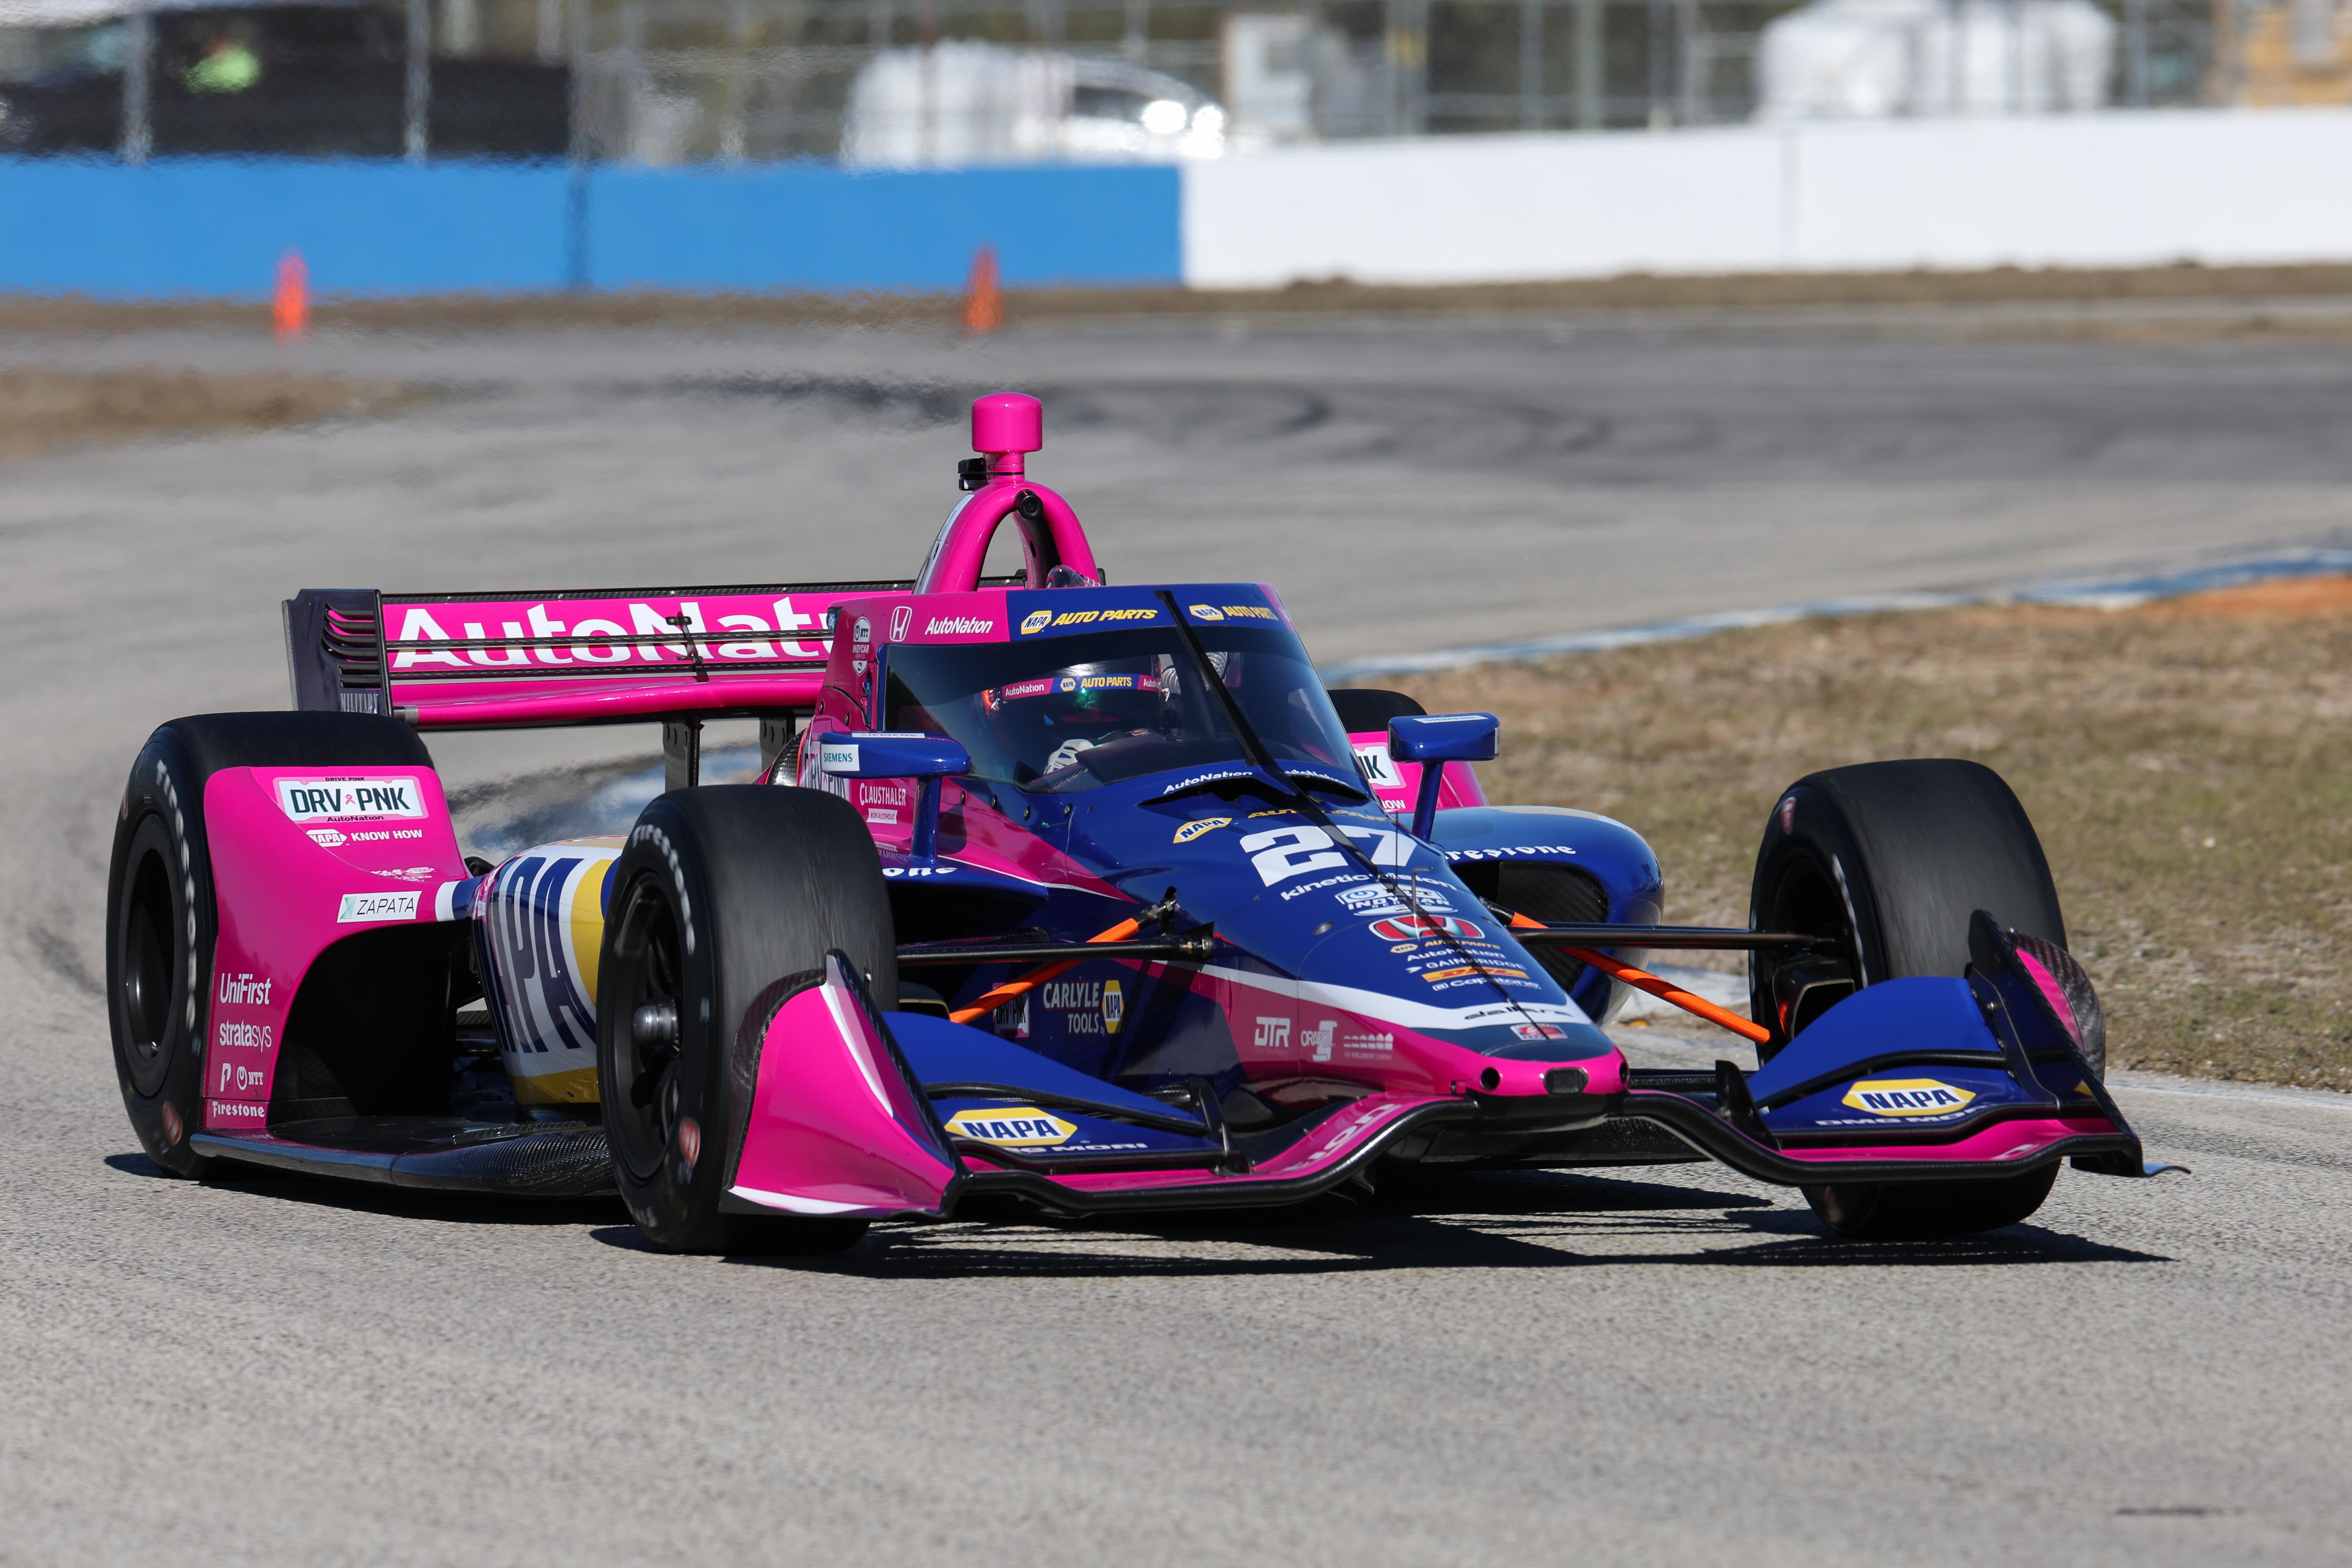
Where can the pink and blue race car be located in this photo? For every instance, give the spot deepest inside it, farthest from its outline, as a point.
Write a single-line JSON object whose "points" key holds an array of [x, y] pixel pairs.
{"points": [[1051, 889]]}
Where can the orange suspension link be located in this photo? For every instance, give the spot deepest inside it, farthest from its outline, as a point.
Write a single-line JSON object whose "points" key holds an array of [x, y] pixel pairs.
{"points": [[1663, 990], [997, 996]]}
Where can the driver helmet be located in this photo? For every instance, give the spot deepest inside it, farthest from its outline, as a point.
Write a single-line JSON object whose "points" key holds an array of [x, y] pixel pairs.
{"points": [[1066, 710]]}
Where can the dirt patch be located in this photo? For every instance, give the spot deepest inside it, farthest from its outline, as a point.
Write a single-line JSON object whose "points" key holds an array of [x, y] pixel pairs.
{"points": [[2188, 765], [1334, 296], [43, 410]]}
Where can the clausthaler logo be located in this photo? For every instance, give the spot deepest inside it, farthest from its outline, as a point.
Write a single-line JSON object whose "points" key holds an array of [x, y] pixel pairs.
{"points": [[1036, 621], [1024, 1127], [1907, 1097]]}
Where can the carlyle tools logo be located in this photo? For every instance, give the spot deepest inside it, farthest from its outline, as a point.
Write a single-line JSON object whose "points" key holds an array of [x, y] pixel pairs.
{"points": [[1907, 1097]]}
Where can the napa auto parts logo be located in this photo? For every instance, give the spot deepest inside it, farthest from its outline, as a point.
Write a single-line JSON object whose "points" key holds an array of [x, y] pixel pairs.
{"points": [[1025, 1127], [349, 799], [1907, 1097]]}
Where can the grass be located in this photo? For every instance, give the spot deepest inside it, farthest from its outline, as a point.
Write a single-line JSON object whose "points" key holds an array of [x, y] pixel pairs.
{"points": [[79, 314], [2188, 764], [45, 409]]}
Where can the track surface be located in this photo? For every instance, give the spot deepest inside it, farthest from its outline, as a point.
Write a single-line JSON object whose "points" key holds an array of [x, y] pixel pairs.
{"points": [[1672, 1369]]}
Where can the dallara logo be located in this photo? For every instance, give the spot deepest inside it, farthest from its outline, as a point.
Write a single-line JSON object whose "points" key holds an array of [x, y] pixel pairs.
{"points": [[1906, 1097], [1027, 1128], [1192, 830], [1036, 621]]}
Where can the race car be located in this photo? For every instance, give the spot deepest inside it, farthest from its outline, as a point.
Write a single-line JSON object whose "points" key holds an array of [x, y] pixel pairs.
{"points": [[1049, 889]]}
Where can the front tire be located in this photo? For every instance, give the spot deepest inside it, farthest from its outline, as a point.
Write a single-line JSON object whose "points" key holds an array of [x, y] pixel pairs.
{"points": [[1890, 861], [726, 900]]}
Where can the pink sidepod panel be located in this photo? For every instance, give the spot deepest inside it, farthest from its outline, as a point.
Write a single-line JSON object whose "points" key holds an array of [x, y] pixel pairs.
{"points": [[303, 858]]}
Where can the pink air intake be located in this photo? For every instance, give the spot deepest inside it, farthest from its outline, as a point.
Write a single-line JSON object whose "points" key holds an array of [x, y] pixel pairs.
{"points": [[1007, 423]]}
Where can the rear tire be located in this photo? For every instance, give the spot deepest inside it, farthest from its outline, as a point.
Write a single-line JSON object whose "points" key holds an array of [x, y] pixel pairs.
{"points": [[162, 919], [726, 898], [1891, 859]]}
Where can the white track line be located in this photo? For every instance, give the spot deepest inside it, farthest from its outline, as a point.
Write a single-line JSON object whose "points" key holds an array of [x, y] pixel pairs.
{"points": [[2112, 594]]}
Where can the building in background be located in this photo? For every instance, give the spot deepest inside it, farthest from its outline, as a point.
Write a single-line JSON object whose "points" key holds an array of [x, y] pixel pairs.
{"points": [[1867, 59]]}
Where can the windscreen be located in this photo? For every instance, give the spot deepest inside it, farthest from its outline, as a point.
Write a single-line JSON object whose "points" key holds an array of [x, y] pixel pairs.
{"points": [[1077, 712]]}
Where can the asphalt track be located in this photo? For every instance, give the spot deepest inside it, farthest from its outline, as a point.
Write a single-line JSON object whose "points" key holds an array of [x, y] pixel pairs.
{"points": [[1675, 1368]]}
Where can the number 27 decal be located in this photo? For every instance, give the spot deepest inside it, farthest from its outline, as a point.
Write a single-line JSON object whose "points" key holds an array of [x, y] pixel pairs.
{"points": [[1282, 853]]}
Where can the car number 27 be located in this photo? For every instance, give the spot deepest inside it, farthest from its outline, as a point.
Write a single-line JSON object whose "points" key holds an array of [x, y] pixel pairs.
{"points": [[1281, 853]]}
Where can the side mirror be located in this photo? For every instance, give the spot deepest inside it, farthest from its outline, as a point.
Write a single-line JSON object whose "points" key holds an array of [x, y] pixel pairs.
{"points": [[1435, 740], [895, 755]]}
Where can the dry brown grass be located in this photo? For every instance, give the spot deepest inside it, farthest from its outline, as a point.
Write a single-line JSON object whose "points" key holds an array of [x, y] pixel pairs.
{"points": [[42, 409], [1335, 297], [2188, 765]]}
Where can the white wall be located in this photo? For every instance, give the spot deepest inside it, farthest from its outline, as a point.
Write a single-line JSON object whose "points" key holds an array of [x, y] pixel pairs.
{"points": [[2090, 190]]}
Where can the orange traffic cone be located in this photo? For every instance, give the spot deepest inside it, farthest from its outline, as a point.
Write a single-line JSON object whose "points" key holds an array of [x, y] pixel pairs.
{"points": [[289, 305], [983, 308]]}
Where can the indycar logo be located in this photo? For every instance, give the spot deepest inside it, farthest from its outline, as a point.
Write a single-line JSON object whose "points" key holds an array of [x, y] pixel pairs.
{"points": [[1036, 621], [1406, 928], [1192, 830], [345, 800], [1907, 1097], [358, 907], [1027, 1128]]}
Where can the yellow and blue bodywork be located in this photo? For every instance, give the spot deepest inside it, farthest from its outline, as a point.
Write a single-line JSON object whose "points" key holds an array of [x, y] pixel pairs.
{"points": [[540, 924]]}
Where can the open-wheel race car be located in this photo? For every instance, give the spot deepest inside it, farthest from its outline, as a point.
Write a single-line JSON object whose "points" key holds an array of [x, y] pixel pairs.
{"points": [[1067, 892]]}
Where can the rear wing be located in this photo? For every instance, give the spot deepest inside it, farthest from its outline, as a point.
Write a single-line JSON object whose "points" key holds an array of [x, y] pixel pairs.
{"points": [[447, 661]]}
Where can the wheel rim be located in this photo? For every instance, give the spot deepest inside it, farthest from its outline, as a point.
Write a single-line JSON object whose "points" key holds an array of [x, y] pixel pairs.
{"points": [[146, 975], [655, 973], [1806, 898]]}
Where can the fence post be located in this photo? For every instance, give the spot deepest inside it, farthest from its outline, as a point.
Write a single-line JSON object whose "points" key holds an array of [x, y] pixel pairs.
{"points": [[1661, 67], [418, 109], [1592, 63], [138, 123], [1530, 65], [2135, 53]]}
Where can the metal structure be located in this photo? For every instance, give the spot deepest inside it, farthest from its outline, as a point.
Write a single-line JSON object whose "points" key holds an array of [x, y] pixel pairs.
{"points": [[670, 81]]}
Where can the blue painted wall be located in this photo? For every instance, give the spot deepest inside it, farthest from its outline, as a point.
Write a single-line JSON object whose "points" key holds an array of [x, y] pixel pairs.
{"points": [[810, 227], [216, 227]]}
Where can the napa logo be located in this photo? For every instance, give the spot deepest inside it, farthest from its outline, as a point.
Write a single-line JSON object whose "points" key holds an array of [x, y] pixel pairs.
{"points": [[1036, 621], [1205, 612], [1027, 1128], [1193, 829], [1114, 1006], [1907, 1097]]}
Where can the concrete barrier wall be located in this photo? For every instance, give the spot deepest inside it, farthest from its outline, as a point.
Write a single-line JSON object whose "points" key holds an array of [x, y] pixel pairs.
{"points": [[2104, 190], [218, 226]]}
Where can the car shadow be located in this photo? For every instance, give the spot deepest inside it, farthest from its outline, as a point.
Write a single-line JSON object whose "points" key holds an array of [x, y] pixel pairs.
{"points": [[1536, 1220], [371, 1197]]}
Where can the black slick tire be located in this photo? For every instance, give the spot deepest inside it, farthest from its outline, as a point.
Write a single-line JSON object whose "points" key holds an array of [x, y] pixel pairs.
{"points": [[1891, 859], [162, 919], [725, 902]]}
